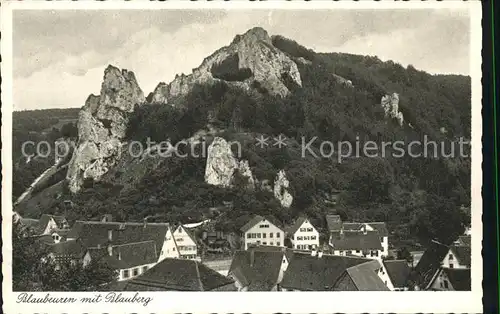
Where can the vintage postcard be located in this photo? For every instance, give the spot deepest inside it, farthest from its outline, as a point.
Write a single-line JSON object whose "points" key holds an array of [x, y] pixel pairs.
{"points": [[152, 152]]}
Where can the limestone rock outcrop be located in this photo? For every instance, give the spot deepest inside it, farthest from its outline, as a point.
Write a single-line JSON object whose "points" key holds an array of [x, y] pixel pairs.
{"points": [[281, 193], [390, 103], [250, 58], [221, 165], [102, 126]]}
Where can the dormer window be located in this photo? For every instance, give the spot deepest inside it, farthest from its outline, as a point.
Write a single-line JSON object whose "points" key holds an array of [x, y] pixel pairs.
{"points": [[450, 257]]}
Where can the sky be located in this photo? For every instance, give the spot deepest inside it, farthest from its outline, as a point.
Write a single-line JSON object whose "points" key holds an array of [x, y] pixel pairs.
{"points": [[60, 56]]}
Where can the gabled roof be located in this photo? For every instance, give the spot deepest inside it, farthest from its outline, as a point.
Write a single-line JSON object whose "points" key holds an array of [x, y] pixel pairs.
{"points": [[127, 255], [365, 276], [333, 222], [295, 227], [258, 270], [178, 275], [429, 264], [464, 240], [187, 232], [355, 240], [95, 233], [45, 218], [73, 249], [460, 278], [29, 222], [352, 226], [398, 271], [312, 273], [463, 253], [255, 220], [381, 227]]}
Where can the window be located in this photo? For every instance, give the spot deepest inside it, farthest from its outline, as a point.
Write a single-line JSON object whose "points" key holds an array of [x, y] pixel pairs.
{"points": [[450, 257], [264, 226], [135, 272], [313, 237], [258, 235], [258, 242], [451, 265], [278, 243], [309, 229], [264, 235], [249, 235], [271, 235], [264, 243], [445, 284], [126, 273], [277, 234], [357, 251], [271, 243]]}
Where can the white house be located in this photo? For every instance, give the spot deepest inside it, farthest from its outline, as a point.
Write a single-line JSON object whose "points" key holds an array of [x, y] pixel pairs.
{"points": [[448, 279], [129, 260], [395, 274], [356, 243], [458, 256], [185, 244], [380, 227], [303, 235], [261, 231]]}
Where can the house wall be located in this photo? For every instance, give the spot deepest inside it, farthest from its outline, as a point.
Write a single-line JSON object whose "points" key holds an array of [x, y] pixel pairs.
{"points": [[306, 237], [169, 249], [384, 276], [345, 283], [384, 242], [51, 225], [451, 261], [284, 266], [264, 233], [441, 282], [377, 254], [185, 245], [140, 270]]}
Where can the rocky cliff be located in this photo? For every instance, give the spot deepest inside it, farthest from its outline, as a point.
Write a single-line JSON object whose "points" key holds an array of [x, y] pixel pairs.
{"points": [[390, 103], [250, 58], [222, 165], [281, 193], [102, 124]]}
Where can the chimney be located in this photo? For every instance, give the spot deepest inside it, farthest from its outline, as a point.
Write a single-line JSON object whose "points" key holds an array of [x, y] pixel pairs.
{"points": [[110, 235], [110, 250], [313, 253]]}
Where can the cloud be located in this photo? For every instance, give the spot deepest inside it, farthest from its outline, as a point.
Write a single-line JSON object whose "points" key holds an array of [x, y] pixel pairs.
{"points": [[60, 58]]}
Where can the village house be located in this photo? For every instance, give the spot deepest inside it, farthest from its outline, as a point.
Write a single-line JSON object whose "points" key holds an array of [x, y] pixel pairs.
{"points": [[356, 243], [451, 279], [66, 252], [316, 271], [335, 224], [303, 235], [97, 234], [129, 260], [398, 273], [49, 223], [180, 275], [258, 270], [186, 244], [436, 261], [261, 231]]}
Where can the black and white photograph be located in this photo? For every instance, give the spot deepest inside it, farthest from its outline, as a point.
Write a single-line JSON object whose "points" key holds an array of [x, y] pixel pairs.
{"points": [[184, 149]]}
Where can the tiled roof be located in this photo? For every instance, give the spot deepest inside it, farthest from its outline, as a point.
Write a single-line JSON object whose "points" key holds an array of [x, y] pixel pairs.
{"points": [[127, 255], [255, 220], [45, 218], [352, 226], [464, 240], [74, 249], [269, 248], [355, 240], [365, 276], [398, 271], [296, 225], [94, 233], [313, 273], [178, 275], [429, 264], [259, 270], [381, 227], [333, 222], [29, 222], [460, 278], [463, 253]]}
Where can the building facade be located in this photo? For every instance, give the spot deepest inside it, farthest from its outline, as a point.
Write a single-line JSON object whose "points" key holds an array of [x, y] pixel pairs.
{"points": [[261, 231], [303, 235]]}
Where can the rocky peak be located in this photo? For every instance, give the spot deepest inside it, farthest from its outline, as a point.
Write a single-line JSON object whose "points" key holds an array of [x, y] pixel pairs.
{"points": [[251, 57], [102, 125]]}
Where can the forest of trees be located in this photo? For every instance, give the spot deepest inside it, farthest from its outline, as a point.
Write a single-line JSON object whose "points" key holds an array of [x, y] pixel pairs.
{"points": [[420, 198]]}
